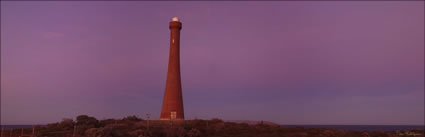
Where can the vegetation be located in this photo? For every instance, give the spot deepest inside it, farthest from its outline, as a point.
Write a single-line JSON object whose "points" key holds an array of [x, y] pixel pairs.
{"points": [[132, 126]]}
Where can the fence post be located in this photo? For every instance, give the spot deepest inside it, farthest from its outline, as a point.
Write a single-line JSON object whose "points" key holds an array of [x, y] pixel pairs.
{"points": [[73, 133], [148, 116], [33, 131]]}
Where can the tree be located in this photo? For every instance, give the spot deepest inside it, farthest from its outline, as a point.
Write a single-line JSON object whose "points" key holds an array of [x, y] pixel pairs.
{"points": [[87, 121], [66, 124]]}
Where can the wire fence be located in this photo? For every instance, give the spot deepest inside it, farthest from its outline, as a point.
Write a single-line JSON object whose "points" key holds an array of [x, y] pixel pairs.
{"points": [[26, 132]]}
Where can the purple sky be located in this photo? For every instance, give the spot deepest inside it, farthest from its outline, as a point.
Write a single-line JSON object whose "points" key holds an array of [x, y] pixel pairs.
{"points": [[286, 62]]}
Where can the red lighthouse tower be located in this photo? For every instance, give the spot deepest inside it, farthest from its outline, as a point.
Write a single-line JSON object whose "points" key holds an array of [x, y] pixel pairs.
{"points": [[172, 106]]}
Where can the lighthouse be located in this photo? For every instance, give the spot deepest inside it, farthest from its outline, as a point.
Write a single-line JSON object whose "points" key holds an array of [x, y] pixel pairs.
{"points": [[172, 105]]}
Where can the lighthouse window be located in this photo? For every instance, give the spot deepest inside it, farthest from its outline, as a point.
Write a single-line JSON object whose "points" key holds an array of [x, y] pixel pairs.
{"points": [[173, 115]]}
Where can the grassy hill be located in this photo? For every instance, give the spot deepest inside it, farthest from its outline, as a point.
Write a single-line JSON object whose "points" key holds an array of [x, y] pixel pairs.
{"points": [[132, 126]]}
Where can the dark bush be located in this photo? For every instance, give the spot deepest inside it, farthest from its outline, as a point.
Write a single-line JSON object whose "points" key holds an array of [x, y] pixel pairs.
{"points": [[132, 119]]}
